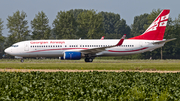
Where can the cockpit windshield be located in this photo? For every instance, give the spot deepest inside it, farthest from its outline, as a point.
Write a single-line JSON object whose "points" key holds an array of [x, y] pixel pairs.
{"points": [[14, 46]]}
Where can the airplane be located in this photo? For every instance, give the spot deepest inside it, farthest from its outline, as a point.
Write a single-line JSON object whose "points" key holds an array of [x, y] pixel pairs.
{"points": [[88, 49]]}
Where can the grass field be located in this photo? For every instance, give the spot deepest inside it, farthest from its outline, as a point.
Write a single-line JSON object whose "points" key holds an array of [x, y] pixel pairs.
{"points": [[97, 64], [92, 85]]}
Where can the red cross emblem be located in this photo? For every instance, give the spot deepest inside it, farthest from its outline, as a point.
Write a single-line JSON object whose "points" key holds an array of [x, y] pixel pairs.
{"points": [[164, 18], [162, 23]]}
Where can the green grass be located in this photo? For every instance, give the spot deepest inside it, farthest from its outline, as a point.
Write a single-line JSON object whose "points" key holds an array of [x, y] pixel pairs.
{"points": [[97, 64], [89, 86]]}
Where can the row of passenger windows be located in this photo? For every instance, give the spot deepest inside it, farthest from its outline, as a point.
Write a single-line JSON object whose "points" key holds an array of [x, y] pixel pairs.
{"points": [[80, 46], [104, 45], [48, 46]]}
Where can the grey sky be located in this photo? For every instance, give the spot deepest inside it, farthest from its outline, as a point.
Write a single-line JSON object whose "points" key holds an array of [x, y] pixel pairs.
{"points": [[127, 9]]}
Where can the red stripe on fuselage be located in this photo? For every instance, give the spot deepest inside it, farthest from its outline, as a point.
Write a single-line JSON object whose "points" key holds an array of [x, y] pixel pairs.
{"points": [[129, 50], [86, 48], [56, 49]]}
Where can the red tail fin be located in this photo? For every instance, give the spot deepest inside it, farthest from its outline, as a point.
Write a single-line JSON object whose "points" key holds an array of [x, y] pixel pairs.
{"points": [[156, 30]]}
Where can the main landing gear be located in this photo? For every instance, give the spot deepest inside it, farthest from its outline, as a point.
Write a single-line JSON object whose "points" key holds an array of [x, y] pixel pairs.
{"points": [[22, 60], [88, 59]]}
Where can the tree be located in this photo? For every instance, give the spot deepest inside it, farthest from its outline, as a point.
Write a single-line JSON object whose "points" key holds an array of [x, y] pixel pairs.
{"points": [[76, 12], [90, 25], [137, 28], [1, 28], [65, 25], [18, 28], [110, 20], [122, 28], [41, 29], [114, 26], [172, 49], [1, 37], [151, 17]]}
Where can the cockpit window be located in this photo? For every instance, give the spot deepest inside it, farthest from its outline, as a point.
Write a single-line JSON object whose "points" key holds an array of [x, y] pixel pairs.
{"points": [[14, 46]]}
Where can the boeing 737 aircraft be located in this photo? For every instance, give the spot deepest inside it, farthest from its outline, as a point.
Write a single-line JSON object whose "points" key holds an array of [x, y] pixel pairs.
{"points": [[151, 39]]}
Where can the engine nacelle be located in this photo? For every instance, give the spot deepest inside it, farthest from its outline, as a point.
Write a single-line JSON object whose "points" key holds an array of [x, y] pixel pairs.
{"points": [[72, 55]]}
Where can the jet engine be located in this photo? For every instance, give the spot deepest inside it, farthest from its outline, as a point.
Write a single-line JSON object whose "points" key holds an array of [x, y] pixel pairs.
{"points": [[72, 55]]}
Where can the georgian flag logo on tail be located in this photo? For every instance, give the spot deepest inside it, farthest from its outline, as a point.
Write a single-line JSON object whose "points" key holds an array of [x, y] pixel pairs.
{"points": [[165, 17], [164, 23], [153, 26]]}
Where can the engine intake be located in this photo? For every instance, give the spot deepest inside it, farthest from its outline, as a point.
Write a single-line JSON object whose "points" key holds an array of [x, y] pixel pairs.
{"points": [[72, 55]]}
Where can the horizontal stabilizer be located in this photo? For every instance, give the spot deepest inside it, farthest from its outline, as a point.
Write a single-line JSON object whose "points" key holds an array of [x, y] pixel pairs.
{"points": [[159, 42]]}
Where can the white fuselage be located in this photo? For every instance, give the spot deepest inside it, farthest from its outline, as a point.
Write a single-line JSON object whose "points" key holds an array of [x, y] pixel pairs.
{"points": [[56, 48]]}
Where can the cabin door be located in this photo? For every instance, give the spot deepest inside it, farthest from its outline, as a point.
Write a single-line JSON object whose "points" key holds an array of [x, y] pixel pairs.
{"points": [[26, 46]]}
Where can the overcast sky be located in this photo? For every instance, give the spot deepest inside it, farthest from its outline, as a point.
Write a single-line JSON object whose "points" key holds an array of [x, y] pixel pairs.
{"points": [[127, 9]]}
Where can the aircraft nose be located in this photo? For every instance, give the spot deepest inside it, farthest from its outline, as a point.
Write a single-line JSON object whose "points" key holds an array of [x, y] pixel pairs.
{"points": [[7, 50]]}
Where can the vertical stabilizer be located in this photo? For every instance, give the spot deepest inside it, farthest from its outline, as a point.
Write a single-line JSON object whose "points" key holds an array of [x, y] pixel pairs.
{"points": [[156, 30]]}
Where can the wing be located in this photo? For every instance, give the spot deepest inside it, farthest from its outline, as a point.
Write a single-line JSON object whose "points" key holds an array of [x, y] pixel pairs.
{"points": [[100, 49]]}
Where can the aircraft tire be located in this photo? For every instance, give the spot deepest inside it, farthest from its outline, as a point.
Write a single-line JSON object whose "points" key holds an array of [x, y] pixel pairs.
{"points": [[88, 60], [22, 60]]}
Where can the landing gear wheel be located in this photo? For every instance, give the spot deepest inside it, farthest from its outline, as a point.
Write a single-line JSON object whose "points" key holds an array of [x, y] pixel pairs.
{"points": [[22, 60], [88, 59]]}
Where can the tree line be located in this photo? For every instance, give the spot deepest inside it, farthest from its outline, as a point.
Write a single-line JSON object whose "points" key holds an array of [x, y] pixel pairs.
{"points": [[89, 24]]}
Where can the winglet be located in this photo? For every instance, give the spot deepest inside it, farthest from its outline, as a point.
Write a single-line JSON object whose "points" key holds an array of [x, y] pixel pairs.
{"points": [[121, 41], [102, 38]]}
